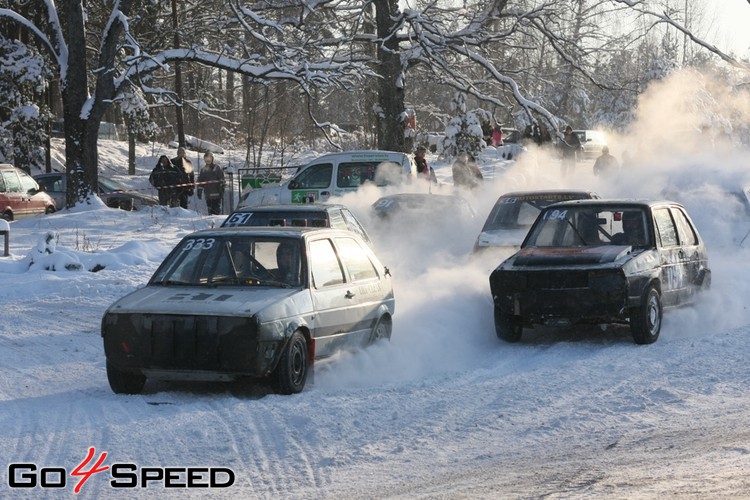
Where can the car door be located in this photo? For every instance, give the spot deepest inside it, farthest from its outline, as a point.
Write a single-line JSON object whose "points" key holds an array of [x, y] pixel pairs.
{"points": [[365, 291], [692, 258], [16, 199], [332, 297], [673, 278], [36, 203], [311, 185]]}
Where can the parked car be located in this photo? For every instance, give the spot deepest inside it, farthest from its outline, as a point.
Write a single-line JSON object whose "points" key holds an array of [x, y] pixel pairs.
{"points": [[255, 302], [112, 193], [592, 142], [514, 213], [309, 215], [21, 196], [334, 175], [601, 261]]}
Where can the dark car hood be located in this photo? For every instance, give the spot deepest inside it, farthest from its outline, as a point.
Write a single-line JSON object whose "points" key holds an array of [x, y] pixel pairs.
{"points": [[604, 254]]}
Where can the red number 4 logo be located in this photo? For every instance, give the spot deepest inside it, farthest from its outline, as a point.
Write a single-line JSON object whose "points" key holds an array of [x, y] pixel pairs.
{"points": [[86, 474]]}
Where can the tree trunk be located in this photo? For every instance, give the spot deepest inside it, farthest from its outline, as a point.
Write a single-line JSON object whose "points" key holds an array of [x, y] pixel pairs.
{"points": [[79, 183], [390, 130]]}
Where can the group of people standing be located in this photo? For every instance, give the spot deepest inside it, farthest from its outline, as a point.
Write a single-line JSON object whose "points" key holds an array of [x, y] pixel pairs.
{"points": [[175, 181]]}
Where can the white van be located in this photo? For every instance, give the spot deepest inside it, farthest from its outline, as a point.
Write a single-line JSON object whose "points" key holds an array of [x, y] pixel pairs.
{"points": [[335, 174]]}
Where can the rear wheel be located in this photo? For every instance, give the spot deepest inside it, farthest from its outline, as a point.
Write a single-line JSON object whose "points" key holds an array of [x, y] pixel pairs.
{"points": [[382, 330], [7, 216], [125, 381], [507, 327], [645, 319], [291, 372]]}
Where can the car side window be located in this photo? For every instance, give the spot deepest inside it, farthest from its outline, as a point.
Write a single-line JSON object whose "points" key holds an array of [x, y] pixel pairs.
{"points": [[355, 260], [337, 220], [324, 264], [684, 228], [665, 228], [315, 177], [12, 183], [28, 184], [354, 225]]}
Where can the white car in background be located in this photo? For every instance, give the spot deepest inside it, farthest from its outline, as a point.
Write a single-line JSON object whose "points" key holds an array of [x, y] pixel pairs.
{"points": [[334, 175], [592, 142]]}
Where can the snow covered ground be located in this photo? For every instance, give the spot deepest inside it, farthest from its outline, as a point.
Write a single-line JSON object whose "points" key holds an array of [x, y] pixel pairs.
{"points": [[445, 410]]}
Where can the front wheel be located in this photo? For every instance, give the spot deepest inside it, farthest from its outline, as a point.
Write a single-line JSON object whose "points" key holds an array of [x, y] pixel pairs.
{"points": [[124, 381], [645, 319], [507, 327], [291, 373]]}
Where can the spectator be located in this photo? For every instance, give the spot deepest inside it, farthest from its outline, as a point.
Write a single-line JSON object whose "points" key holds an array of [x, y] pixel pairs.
{"points": [[187, 177], [164, 177], [213, 176], [496, 139], [571, 147], [422, 168], [466, 172], [606, 164]]}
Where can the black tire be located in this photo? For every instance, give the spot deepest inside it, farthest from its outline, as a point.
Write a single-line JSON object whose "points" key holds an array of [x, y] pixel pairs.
{"points": [[382, 330], [7, 216], [645, 320], [290, 374], [124, 381], [508, 328], [49, 210]]}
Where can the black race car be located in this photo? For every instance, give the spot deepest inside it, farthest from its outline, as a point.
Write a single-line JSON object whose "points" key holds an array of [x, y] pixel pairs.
{"points": [[601, 261]]}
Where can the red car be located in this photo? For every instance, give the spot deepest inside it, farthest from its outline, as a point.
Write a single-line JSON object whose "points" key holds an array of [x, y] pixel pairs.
{"points": [[20, 195]]}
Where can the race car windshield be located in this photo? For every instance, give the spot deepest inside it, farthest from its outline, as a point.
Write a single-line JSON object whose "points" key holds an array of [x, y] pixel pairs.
{"points": [[591, 226], [232, 260]]}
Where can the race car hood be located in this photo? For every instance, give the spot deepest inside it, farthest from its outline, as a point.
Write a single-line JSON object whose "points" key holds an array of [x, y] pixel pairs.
{"points": [[502, 237], [219, 301], [604, 254]]}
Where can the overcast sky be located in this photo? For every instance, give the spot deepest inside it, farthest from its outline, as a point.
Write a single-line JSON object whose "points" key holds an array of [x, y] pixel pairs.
{"points": [[732, 21]]}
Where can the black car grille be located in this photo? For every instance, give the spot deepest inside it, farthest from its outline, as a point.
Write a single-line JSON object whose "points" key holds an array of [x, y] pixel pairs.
{"points": [[558, 280], [181, 342]]}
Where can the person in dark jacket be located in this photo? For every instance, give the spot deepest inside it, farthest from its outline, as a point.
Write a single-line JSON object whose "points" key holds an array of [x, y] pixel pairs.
{"points": [[571, 147], [606, 164], [187, 176], [213, 176], [422, 168], [164, 177]]}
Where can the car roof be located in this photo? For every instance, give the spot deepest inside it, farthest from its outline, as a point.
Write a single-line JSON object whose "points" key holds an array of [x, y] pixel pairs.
{"points": [[364, 154], [296, 207], [421, 196], [551, 192], [274, 231], [617, 201]]}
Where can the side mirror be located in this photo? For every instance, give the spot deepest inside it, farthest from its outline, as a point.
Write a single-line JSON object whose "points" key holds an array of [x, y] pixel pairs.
{"points": [[294, 184]]}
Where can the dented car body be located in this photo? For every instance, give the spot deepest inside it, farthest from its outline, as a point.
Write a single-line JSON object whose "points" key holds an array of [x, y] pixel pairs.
{"points": [[249, 302], [601, 261]]}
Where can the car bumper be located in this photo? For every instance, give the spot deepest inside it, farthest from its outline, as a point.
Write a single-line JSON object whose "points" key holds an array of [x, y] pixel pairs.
{"points": [[188, 347], [562, 297]]}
